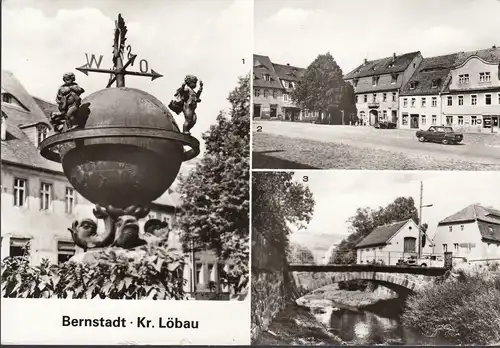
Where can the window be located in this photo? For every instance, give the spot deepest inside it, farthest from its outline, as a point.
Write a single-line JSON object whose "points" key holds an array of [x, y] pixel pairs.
{"points": [[355, 82], [70, 200], [445, 247], [424, 101], [20, 186], [405, 102], [404, 121], [365, 97], [384, 113], [450, 228], [473, 120], [6, 98], [375, 80], [362, 115], [434, 83], [449, 120], [266, 93], [450, 100], [460, 120], [463, 79], [462, 227], [455, 247], [384, 97], [498, 98], [487, 99], [65, 250], [256, 92], [484, 77], [410, 244], [423, 120], [434, 119], [473, 99], [275, 94], [394, 96], [460, 100], [41, 133], [199, 273], [356, 99], [45, 196], [286, 97], [374, 97], [413, 102], [394, 78], [412, 85], [267, 77], [17, 246], [434, 102]]}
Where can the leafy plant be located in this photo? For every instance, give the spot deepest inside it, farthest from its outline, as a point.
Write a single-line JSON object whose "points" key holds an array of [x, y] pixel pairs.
{"points": [[148, 272]]}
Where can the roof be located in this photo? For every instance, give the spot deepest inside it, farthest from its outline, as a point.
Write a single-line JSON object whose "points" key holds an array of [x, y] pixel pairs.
{"points": [[288, 72], [433, 68], [387, 65], [381, 234], [262, 65], [47, 107], [474, 212]]}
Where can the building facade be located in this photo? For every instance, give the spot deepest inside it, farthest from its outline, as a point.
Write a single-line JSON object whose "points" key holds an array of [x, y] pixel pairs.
{"points": [[459, 90], [39, 204], [272, 85], [472, 233], [390, 243], [377, 85]]}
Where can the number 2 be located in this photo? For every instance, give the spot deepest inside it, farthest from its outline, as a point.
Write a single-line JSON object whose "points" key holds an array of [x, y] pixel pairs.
{"points": [[259, 129]]}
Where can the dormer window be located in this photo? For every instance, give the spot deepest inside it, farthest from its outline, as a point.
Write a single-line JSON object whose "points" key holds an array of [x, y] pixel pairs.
{"points": [[42, 132], [375, 80], [463, 79], [7, 98], [267, 77], [434, 83], [412, 84], [394, 78]]}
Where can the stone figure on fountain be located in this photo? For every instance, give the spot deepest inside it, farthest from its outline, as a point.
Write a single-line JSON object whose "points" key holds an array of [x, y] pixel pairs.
{"points": [[68, 102], [186, 100]]}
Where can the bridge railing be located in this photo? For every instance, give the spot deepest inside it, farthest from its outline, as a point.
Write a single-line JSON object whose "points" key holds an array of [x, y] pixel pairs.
{"points": [[375, 257]]}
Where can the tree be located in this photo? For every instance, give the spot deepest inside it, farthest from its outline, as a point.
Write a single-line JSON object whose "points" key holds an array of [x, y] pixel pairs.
{"points": [[215, 195], [277, 201], [366, 220], [322, 88], [299, 254]]}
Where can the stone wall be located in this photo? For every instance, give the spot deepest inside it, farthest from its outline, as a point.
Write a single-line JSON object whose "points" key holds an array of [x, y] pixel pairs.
{"points": [[269, 293]]}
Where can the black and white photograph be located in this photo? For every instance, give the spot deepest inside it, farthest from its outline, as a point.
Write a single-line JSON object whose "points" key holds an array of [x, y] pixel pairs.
{"points": [[125, 149], [389, 84], [375, 258]]}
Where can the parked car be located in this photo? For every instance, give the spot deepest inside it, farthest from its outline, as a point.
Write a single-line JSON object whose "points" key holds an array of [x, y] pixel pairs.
{"points": [[444, 135], [423, 261], [385, 125]]}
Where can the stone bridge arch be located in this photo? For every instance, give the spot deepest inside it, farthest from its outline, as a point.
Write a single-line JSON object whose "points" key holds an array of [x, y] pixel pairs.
{"points": [[401, 283]]}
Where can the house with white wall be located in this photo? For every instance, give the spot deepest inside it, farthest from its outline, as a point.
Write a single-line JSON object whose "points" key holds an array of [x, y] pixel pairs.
{"points": [[472, 233], [392, 242]]}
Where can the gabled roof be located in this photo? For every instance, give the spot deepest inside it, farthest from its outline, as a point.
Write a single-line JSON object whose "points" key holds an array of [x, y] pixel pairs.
{"points": [[474, 212], [381, 235], [387, 65], [263, 66], [433, 68]]}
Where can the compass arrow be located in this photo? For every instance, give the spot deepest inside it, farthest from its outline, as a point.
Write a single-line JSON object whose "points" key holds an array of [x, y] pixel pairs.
{"points": [[86, 70], [154, 75]]}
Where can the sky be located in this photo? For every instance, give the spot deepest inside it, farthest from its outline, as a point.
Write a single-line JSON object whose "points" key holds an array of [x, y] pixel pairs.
{"points": [[339, 193], [296, 31], [43, 39]]}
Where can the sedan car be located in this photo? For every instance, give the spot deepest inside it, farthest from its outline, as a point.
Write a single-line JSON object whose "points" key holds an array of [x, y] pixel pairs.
{"points": [[444, 135]]}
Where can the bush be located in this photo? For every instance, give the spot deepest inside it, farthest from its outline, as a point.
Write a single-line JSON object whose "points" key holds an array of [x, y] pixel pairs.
{"points": [[149, 272], [465, 311]]}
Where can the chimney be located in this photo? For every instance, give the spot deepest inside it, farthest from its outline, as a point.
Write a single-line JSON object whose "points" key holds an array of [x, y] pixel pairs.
{"points": [[394, 56], [366, 60], [494, 46], [288, 64], [4, 126]]}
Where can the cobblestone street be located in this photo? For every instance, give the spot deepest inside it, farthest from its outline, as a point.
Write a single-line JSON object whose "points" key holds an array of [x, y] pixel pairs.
{"points": [[286, 145]]}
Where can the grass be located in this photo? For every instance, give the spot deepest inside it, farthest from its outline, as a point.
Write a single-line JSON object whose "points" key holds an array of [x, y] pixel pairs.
{"points": [[279, 152]]}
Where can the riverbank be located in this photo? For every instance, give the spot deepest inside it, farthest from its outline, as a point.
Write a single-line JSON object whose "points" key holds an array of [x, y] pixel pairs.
{"points": [[296, 325]]}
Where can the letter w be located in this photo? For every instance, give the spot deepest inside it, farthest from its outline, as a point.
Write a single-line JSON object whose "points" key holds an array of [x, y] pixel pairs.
{"points": [[93, 60]]}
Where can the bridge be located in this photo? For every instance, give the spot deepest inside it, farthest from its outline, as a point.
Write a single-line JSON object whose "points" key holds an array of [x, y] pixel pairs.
{"points": [[407, 273]]}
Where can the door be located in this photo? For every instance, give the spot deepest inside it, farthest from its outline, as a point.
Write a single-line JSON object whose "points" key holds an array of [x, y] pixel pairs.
{"points": [[495, 122], [274, 111], [414, 121], [256, 110], [410, 244]]}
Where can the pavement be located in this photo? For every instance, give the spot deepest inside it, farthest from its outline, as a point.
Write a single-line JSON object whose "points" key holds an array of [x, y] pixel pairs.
{"points": [[355, 141]]}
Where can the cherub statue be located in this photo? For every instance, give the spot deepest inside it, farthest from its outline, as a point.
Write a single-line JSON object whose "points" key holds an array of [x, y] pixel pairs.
{"points": [[156, 231], [68, 101], [186, 100]]}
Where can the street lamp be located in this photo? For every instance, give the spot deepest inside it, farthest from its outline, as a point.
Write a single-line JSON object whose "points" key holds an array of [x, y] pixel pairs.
{"points": [[420, 219]]}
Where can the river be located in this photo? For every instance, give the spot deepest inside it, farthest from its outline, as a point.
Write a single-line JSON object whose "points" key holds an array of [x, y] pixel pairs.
{"points": [[375, 324]]}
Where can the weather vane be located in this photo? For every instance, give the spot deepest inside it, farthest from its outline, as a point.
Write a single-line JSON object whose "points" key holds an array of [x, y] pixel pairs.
{"points": [[119, 69]]}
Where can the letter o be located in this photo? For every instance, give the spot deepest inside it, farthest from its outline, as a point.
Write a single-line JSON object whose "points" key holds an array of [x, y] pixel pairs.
{"points": [[143, 66]]}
